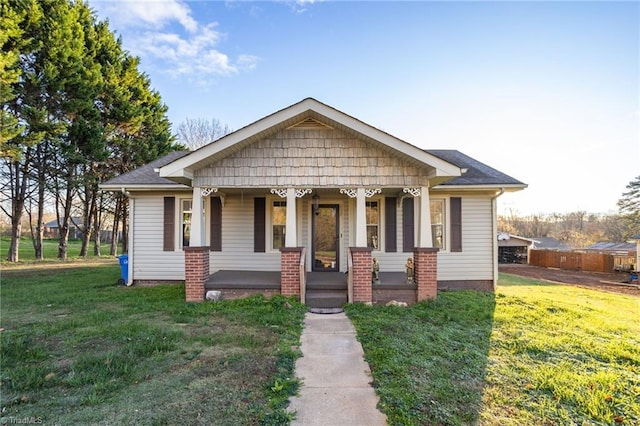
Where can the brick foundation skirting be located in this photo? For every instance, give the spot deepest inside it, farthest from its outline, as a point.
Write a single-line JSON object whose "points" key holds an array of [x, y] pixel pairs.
{"points": [[382, 296], [481, 285], [230, 294]]}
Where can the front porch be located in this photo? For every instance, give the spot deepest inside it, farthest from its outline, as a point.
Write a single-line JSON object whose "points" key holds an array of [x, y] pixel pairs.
{"points": [[316, 289]]}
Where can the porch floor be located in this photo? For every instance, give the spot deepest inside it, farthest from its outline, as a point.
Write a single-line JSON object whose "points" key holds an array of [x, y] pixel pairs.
{"points": [[233, 279], [227, 279]]}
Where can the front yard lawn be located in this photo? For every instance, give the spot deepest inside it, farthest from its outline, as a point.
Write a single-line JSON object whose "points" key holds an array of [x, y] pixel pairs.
{"points": [[531, 354], [77, 349]]}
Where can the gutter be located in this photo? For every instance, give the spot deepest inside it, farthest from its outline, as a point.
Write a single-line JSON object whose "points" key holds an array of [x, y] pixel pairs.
{"points": [[127, 194], [494, 233]]}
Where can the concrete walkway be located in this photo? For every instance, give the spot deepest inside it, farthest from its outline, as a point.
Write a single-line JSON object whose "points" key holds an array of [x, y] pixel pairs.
{"points": [[335, 378]]}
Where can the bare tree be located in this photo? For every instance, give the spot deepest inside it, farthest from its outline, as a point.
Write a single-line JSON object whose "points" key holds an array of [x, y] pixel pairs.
{"points": [[195, 133]]}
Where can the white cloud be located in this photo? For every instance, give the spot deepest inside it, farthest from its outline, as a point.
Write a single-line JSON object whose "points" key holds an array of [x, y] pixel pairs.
{"points": [[189, 49], [150, 13]]}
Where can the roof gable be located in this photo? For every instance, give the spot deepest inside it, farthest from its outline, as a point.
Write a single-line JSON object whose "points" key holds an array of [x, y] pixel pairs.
{"points": [[315, 113]]}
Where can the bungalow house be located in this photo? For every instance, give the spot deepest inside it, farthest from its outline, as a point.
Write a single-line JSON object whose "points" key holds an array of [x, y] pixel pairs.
{"points": [[303, 202]]}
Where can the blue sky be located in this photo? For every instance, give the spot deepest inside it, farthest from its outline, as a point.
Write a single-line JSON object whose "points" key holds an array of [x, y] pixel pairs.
{"points": [[547, 92]]}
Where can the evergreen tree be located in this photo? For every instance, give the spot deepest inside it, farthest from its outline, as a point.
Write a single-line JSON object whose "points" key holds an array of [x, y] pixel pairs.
{"points": [[75, 110], [629, 206]]}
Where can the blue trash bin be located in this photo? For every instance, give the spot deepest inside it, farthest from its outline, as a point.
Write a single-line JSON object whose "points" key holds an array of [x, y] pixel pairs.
{"points": [[124, 269]]}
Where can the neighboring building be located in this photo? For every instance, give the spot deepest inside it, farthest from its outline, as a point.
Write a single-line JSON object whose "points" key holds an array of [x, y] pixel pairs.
{"points": [[312, 186], [513, 248], [549, 243], [606, 247], [51, 229], [624, 254]]}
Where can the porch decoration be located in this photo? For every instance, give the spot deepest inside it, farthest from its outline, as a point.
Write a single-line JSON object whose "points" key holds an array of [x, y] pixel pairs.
{"points": [[409, 270], [413, 191], [375, 271]]}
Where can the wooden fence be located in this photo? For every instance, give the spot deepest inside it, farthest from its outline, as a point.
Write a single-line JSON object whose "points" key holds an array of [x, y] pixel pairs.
{"points": [[577, 261]]}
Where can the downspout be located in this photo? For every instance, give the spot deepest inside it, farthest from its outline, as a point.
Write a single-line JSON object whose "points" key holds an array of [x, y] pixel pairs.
{"points": [[130, 237], [494, 233]]}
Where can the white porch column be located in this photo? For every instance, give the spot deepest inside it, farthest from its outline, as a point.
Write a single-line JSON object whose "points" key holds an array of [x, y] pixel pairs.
{"points": [[361, 218], [197, 219], [425, 239], [291, 235]]}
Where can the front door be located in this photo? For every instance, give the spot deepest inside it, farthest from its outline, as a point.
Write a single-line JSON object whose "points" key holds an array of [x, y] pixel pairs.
{"points": [[326, 238]]}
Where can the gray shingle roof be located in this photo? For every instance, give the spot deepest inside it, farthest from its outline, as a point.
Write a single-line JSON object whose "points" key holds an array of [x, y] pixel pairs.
{"points": [[550, 243], [477, 173], [145, 175], [606, 246]]}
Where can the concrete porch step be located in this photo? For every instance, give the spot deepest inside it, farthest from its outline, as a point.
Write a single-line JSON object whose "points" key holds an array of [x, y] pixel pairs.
{"points": [[326, 298], [327, 286]]}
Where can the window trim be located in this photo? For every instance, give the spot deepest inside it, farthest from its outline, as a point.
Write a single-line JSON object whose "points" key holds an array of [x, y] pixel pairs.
{"points": [[445, 222], [378, 201], [269, 223], [445, 199], [179, 213]]}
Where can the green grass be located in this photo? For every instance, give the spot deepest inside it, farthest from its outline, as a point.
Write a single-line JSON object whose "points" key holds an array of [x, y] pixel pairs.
{"points": [[77, 349], [26, 253], [532, 354]]}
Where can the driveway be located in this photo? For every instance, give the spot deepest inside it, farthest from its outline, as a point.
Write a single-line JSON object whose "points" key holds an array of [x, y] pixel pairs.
{"points": [[593, 280]]}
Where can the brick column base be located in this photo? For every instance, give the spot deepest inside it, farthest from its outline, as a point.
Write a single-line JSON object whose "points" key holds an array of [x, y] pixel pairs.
{"points": [[361, 270], [290, 271], [425, 272], [196, 272]]}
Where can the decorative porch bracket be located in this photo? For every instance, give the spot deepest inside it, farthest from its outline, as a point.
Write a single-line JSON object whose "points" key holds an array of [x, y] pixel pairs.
{"points": [[413, 191], [206, 191]]}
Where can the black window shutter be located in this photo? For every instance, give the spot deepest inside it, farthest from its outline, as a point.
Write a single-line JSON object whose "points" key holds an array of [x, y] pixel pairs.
{"points": [[259, 229], [390, 243], [216, 224], [408, 241], [169, 224], [456, 223]]}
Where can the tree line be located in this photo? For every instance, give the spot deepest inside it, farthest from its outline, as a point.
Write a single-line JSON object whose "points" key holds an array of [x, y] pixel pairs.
{"points": [[579, 228], [76, 110]]}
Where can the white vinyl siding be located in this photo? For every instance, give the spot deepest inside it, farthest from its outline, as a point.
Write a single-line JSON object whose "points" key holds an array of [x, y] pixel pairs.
{"points": [[150, 262], [237, 239], [475, 261]]}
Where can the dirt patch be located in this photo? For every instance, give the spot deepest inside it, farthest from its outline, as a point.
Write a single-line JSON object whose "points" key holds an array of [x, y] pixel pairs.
{"points": [[593, 280]]}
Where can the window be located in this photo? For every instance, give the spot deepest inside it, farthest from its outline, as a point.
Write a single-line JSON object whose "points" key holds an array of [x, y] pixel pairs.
{"points": [[437, 223], [185, 214], [373, 224], [279, 223]]}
